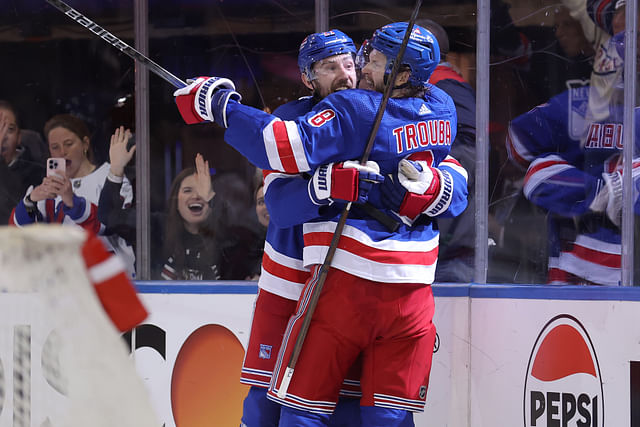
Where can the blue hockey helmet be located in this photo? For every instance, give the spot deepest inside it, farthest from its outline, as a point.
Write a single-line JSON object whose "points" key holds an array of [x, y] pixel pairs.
{"points": [[421, 56], [318, 46]]}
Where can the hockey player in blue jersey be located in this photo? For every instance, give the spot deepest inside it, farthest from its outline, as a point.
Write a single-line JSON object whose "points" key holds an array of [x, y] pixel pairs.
{"points": [[377, 299], [574, 172], [327, 64]]}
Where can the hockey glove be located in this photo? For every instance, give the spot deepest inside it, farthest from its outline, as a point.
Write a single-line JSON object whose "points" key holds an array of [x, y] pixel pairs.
{"points": [[348, 182], [194, 100], [416, 188]]}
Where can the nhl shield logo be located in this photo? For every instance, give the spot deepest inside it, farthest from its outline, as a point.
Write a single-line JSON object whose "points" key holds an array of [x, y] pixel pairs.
{"points": [[563, 385], [578, 104]]}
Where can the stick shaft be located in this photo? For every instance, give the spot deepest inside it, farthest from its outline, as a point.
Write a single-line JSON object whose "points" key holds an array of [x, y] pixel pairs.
{"points": [[116, 42], [324, 269]]}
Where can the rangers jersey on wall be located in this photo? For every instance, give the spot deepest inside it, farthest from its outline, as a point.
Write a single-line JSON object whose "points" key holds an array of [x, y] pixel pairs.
{"points": [[337, 129], [566, 155]]}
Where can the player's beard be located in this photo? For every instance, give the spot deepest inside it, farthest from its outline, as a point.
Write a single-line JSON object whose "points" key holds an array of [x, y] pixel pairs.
{"points": [[320, 93], [367, 83]]}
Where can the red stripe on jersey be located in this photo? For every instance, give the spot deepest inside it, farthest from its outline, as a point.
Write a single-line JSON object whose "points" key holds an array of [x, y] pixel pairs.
{"points": [[597, 257], [91, 223], [350, 244], [284, 147], [557, 275], [426, 156], [50, 211], [542, 165], [450, 160], [282, 271], [169, 273]]}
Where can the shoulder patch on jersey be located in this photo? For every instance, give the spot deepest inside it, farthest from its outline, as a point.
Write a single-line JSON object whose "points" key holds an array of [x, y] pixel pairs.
{"points": [[424, 110], [322, 117]]}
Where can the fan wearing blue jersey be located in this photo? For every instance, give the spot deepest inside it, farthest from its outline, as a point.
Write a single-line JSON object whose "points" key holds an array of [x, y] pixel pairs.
{"points": [[377, 300], [327, 64]]}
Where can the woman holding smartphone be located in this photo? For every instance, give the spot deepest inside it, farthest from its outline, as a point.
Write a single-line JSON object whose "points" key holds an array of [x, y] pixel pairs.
{"points": [[70, 192]]}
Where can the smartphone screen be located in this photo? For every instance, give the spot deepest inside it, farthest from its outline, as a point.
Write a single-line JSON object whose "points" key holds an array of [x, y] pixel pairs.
{"points": [[56, 166]]}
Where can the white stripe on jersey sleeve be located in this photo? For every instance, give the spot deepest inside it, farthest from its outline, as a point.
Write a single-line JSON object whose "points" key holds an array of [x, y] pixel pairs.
{"points": [[536, 178], [452, 163], [297, 147], [271, 147]]}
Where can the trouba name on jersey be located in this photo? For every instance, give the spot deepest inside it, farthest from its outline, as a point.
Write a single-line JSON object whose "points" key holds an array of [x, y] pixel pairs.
{"points": [[408, 137], [422, 134]]}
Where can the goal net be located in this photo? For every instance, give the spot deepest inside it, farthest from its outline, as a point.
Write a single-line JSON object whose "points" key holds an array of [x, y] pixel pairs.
{"points": [[62, 362]]}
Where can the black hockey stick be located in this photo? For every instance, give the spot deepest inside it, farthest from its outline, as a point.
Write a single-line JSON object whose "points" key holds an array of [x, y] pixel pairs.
{"points": [[116, 42], [324, 269]]}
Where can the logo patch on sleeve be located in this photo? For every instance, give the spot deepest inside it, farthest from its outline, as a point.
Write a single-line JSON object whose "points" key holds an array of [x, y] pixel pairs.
{"points": [[265, 351]]}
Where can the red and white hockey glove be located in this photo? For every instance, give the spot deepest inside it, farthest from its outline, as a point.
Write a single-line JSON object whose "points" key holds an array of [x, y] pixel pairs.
{"points": [[194, 101], [417, 188], [348, 182]]}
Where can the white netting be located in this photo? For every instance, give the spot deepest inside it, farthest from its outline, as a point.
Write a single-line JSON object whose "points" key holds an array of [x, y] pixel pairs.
{"points": [[62, 362]]}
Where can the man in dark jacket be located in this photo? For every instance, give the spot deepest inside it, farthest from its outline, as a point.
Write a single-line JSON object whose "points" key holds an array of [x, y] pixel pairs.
{"points": [[22, 159]]}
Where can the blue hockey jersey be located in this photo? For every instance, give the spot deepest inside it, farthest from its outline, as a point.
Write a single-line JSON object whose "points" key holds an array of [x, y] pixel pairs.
{"points": [[283, 272], [566, 154], [337, 129]]}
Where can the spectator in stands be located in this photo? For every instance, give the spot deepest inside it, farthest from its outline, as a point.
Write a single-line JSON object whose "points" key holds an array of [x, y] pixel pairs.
{"points": [[22, 160], [110, 212], [263, 218], [116, 218], [72, 199], [191, 241], [570, 36], [261, 207], [242, 236]]}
